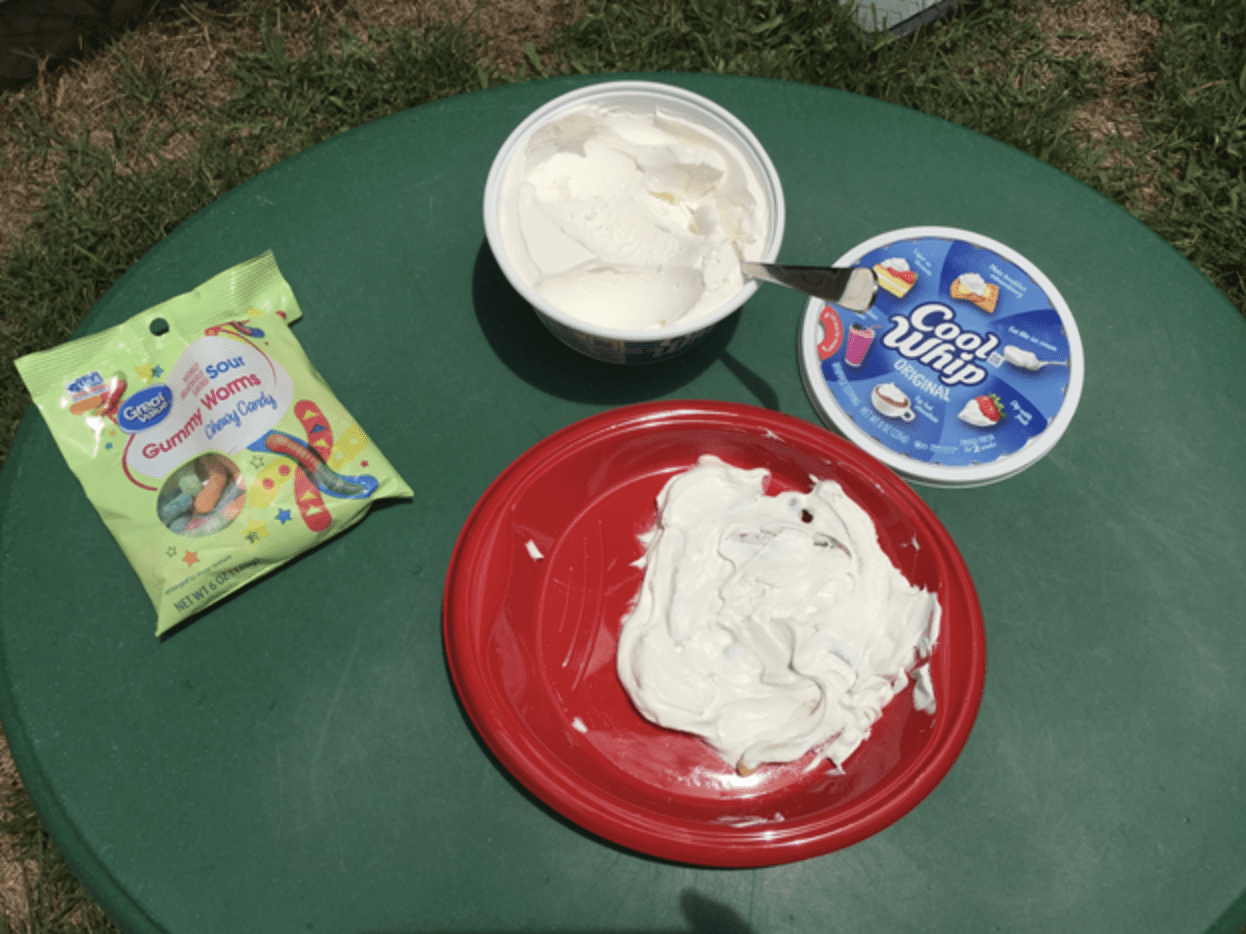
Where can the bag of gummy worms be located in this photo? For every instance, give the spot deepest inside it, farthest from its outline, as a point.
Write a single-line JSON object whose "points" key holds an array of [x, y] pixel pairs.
{"points": [[209, 445]]}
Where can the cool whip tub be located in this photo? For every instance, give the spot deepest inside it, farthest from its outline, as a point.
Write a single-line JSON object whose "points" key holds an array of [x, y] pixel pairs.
{"points": [[967, 369], [621, 211]]}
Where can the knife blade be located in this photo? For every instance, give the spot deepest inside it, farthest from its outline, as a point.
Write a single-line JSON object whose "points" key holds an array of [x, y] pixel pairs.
{"points": [[850, 287]]}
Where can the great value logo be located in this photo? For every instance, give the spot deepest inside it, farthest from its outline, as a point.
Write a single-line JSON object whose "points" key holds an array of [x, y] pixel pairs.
{"points": [[145, 409], [930, 335]]}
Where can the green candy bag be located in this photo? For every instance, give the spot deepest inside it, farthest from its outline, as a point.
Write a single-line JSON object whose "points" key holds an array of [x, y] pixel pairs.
{"points": [[209, 445]]}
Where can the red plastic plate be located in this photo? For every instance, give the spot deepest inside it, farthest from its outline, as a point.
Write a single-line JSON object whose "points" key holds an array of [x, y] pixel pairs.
{"points": [[542, 576]]}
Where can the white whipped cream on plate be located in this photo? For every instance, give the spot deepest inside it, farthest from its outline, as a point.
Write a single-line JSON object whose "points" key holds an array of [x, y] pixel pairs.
{"points": [[771, 625], [632, 220]]}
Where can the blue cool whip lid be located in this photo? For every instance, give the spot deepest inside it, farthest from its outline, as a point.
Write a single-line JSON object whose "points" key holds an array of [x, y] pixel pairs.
{"points": [[968, 368]]}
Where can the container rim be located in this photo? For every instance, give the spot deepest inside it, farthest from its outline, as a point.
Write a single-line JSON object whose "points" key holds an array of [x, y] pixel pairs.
{"points": [[619, 91]]}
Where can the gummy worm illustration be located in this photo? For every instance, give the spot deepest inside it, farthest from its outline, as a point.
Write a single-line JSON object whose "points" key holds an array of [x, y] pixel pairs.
{"points": [[314, 476], [320, 473], [113, 402]]}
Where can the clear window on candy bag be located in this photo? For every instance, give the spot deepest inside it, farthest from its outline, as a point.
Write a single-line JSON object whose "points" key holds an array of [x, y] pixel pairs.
{"points": [[202, 497]]}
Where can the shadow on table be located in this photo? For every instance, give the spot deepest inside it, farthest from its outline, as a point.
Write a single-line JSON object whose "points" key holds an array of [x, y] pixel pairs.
{"points": [[704, 915], [522, 343]]}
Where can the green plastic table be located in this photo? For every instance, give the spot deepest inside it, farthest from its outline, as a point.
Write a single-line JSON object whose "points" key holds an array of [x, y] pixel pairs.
{"points": [[296, 759]]}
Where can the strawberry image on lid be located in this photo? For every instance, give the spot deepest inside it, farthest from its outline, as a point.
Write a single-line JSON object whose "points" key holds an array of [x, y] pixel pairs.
{"points": [[983, 411]]}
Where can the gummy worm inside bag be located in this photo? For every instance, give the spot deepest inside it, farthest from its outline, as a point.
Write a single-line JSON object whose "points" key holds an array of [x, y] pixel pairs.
{"points": [[205, 439]]}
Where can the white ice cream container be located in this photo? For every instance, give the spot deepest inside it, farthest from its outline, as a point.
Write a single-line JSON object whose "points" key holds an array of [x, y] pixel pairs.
{"points": [[967, 369], [616, 344]]}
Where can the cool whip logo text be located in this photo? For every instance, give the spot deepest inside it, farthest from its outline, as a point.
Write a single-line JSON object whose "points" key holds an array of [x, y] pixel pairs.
{"points": [[930, 335], [222, 394]]}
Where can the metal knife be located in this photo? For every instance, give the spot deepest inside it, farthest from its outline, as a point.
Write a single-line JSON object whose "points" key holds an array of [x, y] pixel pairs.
{"points": [[850, 287]]}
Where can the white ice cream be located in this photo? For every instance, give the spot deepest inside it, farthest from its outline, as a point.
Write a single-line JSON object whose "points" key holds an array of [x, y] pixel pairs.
{"points": [[771, 625], [631, 220]]}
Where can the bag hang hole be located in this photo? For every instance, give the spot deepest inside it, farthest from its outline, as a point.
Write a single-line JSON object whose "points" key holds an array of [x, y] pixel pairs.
{"points": [[159, 326]]}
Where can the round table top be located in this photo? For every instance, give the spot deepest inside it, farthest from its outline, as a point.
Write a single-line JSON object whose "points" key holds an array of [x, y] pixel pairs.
{"points": [[296, 759]]}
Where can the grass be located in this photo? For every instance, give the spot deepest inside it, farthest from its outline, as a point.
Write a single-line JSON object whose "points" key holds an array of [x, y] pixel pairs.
{"points": [[53, 900], [1009, 87], [109, 156], [1197, 119]]}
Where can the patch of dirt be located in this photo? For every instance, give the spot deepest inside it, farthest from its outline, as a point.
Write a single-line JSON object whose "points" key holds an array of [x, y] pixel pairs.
{"points": [[190, 49], [509, 25], [80, 98], [1125, 42]]}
